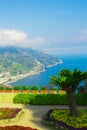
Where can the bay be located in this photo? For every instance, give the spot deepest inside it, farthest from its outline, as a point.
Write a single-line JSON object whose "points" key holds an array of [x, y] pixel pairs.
{"points": [[42, 79]]}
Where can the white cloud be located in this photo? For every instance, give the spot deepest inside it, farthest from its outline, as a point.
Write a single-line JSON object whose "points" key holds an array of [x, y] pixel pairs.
{"points": [[36, 42], [18, 38], [60, 46], [11, 37]]}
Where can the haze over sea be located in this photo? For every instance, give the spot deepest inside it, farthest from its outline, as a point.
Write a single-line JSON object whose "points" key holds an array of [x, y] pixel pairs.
{"points": [[69, 62]]}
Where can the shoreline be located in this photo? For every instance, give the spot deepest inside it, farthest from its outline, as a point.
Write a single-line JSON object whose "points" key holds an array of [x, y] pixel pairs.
{"points": [[16, 78], [59, 62]]}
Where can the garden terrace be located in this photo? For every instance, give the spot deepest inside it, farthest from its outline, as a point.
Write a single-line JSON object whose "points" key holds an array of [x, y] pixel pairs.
{"points": [[61, 119], [49, 99]]}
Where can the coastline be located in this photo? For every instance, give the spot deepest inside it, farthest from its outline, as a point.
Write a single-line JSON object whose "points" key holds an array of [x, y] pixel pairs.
{"points": [[59, 62], [18, 77]]}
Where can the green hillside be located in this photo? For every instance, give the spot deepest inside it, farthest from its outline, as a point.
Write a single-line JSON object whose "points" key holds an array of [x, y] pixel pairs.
{"points": [[16, 61]]}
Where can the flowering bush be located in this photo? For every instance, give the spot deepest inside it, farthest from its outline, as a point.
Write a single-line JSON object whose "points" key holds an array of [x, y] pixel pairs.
{"points": [[6, 113], [62, 120], [15, 127]]}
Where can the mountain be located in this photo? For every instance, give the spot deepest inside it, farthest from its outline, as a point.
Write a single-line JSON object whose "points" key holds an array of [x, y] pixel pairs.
{"points": [[16, 61]]}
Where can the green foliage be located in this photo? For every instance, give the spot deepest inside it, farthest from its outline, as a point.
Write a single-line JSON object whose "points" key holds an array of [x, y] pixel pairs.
{"points": [[1, 87], [26, 87], [18, 61], [49, 99], [52, 88], [35, 87], [41, 99], [17, 87], [68, 80], [59, 88], [17, 68], [8, 88], [22, 98], [63, 115], [81, 99], [81, 88], [43, 88]]}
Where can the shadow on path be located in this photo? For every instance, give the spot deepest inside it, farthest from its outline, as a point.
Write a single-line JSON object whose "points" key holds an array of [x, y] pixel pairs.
{"points": [[38, 111]]}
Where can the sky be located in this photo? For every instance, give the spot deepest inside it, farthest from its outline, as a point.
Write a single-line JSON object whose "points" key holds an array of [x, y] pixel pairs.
{"points": [[57, 27]]}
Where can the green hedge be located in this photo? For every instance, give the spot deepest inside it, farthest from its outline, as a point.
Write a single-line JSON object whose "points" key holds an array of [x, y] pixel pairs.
{"points": [[22, 98], [49, 99], [81, 99]]}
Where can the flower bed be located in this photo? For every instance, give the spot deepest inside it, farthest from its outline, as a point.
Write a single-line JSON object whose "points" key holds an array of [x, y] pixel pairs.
{"points": [[61, 120], [6, 113], [15, 127]]}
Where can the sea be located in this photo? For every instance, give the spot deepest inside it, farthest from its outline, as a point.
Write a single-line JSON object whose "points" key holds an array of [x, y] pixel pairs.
{"points": [[42, 79]]}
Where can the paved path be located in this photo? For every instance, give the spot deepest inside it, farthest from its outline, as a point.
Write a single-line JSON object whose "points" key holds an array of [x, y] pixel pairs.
{"points": [[33, 114]]}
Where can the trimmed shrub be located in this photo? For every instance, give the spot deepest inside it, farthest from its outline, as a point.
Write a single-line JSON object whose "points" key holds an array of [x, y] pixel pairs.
{"points": [[22, 98], [49, 99], [81, 99], [41, 99]]}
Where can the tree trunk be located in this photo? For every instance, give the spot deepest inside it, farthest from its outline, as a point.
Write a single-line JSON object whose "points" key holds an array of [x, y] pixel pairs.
{"points": [[72, 104]]}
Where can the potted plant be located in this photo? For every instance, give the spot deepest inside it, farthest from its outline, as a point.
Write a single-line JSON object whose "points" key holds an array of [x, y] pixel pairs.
{"points": [[1, 89], [61, 91], [17, 89], [81, 89], [8, 89], [52, 90], [34, 89], [43, 90], [26, 89]]}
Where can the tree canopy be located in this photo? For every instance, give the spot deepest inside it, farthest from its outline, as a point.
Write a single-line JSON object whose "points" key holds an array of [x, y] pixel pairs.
{"points": [[68, 80]]}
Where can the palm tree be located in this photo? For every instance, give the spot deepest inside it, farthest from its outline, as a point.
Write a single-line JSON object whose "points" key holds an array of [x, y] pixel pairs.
{"points": [[69, 80]]}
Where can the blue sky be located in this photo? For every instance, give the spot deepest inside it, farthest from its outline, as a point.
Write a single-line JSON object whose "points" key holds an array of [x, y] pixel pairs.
{"points": [[53, 26]]}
